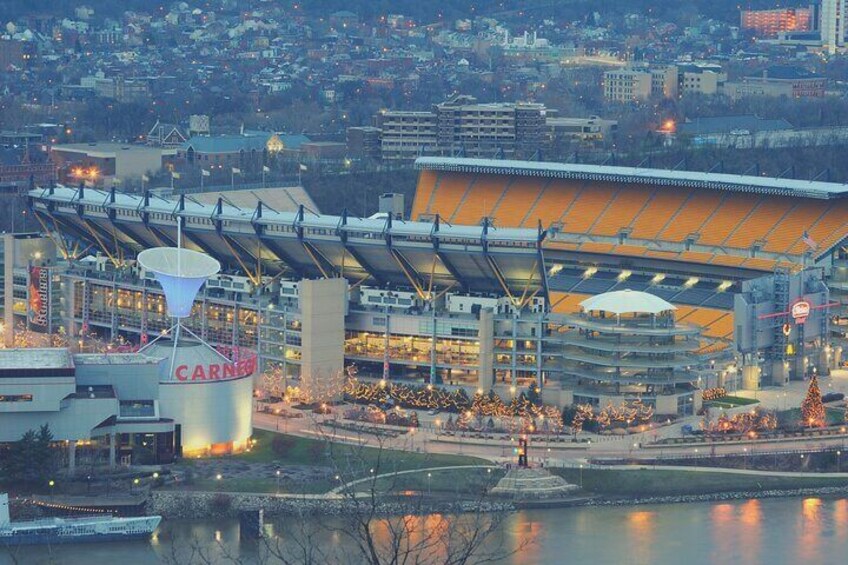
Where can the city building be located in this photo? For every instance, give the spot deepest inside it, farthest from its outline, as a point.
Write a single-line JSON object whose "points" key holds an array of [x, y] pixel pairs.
{"points": [[728, 131], [700, 78], [584, 129], [16, 54], [832, 25], [31, 285], [628, 85], [463, 126], [163, 134], [770, 23], [127, 403], [248, 150], [105, 164], [472, 129], [407, 135], [792, 82], [364, 142]]}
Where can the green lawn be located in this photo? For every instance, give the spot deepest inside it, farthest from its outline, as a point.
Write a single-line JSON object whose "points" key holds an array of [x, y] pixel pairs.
{"points": [[651, 482], [732, 401], [448, 482], [835, 416], [306, 451], [349, 461]]}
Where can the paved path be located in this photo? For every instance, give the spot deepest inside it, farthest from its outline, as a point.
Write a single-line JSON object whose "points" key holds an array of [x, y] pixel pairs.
{"points": [[755, 472], [601, 446], [345, 486]]}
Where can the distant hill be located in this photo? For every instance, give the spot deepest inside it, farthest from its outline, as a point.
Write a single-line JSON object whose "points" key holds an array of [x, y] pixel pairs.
{"points": [[679, 11]]}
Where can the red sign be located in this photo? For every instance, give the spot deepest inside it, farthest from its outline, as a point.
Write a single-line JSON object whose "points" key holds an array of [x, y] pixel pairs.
{"points": [[38, 296], [800, 310], [244, 367]]}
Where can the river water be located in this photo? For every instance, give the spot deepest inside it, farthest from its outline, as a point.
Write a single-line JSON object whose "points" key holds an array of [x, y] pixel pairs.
{"points": [[772, 531]]}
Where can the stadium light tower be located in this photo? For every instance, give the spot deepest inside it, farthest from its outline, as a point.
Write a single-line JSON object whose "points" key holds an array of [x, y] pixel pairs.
{"points": [[181, 272]]}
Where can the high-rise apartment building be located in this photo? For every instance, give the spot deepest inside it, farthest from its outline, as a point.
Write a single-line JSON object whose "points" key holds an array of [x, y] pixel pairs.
{"points": [[461, 125], [769, 23], [832, 25]]}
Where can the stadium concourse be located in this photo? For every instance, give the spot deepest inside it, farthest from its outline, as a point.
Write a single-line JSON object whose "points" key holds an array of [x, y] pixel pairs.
{"points": [[477, 288]]}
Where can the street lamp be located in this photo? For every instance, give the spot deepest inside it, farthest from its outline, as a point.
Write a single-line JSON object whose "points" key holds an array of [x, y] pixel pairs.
{"points": [[134, 484], [429, 475], [838, 456], [278, 481], [581, 476], [52, 484]]}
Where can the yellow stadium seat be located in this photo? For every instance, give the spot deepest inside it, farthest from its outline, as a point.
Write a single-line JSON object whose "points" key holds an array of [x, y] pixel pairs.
{"points": [[480, 201], [622, 211], [449, 193], [691, 216], [769, 212], [734, 208], [664, 205], [588, 206], [426, 184], [552, 204]]}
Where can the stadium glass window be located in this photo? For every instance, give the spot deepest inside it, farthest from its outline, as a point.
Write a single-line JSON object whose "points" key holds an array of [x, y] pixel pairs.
{"points": [[137, 409]]}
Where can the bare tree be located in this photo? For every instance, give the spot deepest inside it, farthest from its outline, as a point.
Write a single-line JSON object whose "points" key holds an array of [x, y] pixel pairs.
{"points": [[385, 516]]}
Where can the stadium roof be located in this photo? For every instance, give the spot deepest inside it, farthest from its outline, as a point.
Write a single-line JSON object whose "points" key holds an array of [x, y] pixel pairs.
{"points": [[664, 177], [423, 255], [727, 124]]}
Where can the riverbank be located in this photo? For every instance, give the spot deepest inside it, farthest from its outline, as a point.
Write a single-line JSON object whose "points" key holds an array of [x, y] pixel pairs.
{"points": [[199, 505]]}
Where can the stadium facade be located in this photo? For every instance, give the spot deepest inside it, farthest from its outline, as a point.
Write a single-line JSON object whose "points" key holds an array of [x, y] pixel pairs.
{"points": [[480, 286]]}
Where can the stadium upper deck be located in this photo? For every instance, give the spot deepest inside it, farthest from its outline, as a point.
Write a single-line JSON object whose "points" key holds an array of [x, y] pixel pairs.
{"points": [[725, 220], [428, 257]]}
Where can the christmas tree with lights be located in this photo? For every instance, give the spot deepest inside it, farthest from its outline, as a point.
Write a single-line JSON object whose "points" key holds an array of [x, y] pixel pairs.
{"points": [[812, 408]]}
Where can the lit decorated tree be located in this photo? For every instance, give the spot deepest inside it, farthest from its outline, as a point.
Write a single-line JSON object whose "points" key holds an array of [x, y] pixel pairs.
{"points": [[812, 408]]}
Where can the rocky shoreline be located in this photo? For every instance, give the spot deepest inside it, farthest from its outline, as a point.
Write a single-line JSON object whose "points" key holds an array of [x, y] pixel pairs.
{"points": [[180, 505], [199, 505], [717, 496]]}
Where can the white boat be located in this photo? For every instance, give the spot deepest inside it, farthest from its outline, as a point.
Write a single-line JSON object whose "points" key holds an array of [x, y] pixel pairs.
{"points": [[72, 530]]}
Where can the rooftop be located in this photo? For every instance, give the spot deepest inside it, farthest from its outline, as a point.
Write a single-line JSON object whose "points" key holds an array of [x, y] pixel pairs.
{"points": [[108, 150], [726, 124], [279, 198], [36, 358], [114, 359], [638, 175]]}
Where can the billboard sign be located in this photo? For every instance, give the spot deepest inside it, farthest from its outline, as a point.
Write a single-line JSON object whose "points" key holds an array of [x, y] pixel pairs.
{"points": [[38, 294], [800, 311]]}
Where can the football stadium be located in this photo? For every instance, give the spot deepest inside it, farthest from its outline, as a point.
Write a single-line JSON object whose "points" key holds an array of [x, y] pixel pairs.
{"points": [[593, 283]]}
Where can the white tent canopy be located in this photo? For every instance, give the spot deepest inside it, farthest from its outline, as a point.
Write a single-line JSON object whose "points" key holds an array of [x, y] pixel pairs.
{"points": [[627, 302]]}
